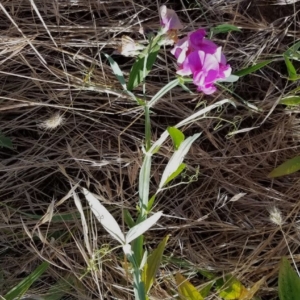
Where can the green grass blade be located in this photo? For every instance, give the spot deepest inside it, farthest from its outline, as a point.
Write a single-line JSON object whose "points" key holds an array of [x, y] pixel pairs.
{"points": [[224, 28], [288, 167], [22, 287], [163, 91], [117, 71], [252, 69], [291, 69], [128, 218], [290, 100], [293, 52], [153, 263], [288, 282]]}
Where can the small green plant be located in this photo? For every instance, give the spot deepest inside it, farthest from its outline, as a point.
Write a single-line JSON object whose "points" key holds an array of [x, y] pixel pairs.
{"points": [[144, 265], [288, 281], [21, 288]]}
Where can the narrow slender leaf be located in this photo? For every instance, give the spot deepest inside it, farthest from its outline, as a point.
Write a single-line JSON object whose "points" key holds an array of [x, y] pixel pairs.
{"points": [[138, 249], [104, 217], [177, 158], [186, 290], [293, 52], [5, 142], [117, 71], [155, 147], [150, 203], [252, 69], [224, 28], [144, 181], [176, 135], [290, 100], [288, 281], [21, 288], [288, 167], [163, 91], [231, 78], [137, 73], [180, 169], [291, 69], [153, 263], [142, 227], [128, 218], [85, 227]]}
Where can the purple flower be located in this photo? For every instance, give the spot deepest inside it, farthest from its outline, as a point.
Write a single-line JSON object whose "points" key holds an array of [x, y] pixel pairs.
{"points": [[169, 19], [201, 58]]}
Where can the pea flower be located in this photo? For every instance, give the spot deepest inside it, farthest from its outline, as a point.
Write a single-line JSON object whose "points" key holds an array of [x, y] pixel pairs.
{"points": [[201, 58], [169, 19]]}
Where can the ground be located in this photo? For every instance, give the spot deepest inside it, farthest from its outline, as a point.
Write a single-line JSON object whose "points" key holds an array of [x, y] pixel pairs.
{"points": [[69, 123]]}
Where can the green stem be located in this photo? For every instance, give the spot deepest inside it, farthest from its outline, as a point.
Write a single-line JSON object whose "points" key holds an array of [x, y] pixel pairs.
{"points": [[147, 129], [138, 284]]}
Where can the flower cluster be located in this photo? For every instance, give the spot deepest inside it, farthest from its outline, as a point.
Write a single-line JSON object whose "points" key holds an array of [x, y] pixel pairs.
{"points": [[196, 55]]}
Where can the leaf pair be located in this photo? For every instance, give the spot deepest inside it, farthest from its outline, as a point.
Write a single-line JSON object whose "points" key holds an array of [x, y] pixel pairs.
{"points": [[112, 227]]}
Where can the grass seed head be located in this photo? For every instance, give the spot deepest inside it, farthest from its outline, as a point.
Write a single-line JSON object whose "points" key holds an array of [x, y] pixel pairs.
{"points": [[275, 216], [53, 122]]}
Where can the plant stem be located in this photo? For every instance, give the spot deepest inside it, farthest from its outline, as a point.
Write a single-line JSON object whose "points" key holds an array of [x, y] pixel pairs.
{"points": [[147, 129]]}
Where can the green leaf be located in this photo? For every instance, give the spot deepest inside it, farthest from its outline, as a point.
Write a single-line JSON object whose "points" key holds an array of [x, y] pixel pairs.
{"points": [[252, 69], [163, 91], [144, 182], [224, 28], [128, 218], [231, 78], [186, 290], [290, 100], [206, 290], [288, 281], [176, 159], [190, 119], [138, 249], [176, 135], [5, 142], [179, 170], [150, 203], [21, 288], [291, 69], [152, 265], [117, 71], [293, 52], [230, 288], [137, 73], [288, 167]]}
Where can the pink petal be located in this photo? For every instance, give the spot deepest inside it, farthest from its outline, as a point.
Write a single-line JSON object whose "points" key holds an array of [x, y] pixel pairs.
{"points": [[180, 50], [208, 89], [169, 18]]}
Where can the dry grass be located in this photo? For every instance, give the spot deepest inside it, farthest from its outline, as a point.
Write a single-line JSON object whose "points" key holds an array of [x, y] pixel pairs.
{"points": [[69, 123]]}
